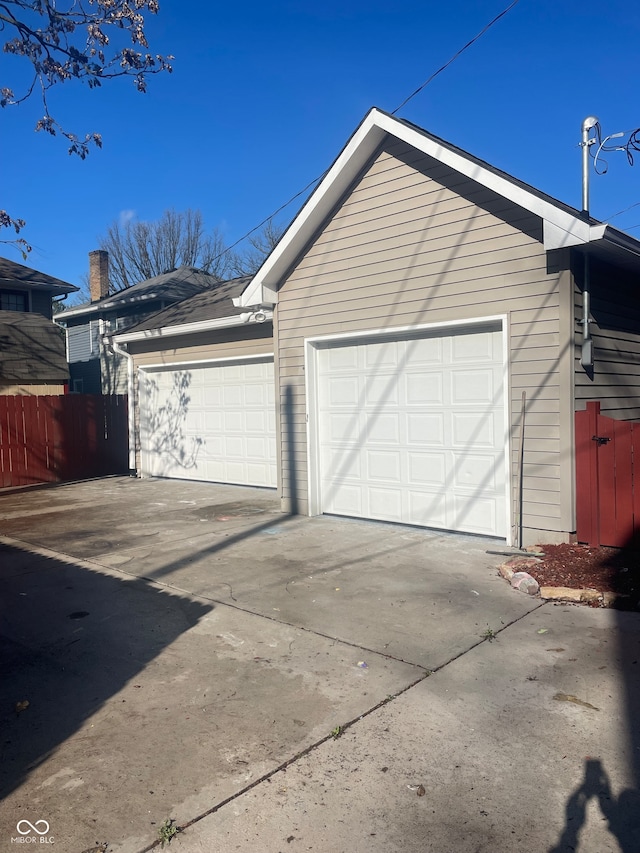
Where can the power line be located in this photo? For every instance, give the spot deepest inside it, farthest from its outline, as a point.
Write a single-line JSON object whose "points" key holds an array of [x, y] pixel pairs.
{"points": [[620, 212], [456, 55], [397, 109]]}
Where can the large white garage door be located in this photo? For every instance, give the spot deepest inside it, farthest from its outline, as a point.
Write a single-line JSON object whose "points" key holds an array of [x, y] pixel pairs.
{"points": [[413, 431], [214, 422]]}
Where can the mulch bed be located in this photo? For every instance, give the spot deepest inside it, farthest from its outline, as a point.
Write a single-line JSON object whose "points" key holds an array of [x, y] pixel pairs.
{"points": [[581, 566]]}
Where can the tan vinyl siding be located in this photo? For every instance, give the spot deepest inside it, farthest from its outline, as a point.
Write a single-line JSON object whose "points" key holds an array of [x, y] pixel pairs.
{"points": [[413, 243], [226, 343], [615, 329], [31, 390]]}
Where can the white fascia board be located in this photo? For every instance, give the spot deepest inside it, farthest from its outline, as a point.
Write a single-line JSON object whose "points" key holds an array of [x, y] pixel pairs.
{"points": [[337, 180], [500, 184], [76, 312], [561, 227], [183, 329]]}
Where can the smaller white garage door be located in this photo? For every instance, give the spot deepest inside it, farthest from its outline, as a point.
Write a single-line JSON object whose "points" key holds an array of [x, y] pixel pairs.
{"points": [[212, 422], [413, 430]]}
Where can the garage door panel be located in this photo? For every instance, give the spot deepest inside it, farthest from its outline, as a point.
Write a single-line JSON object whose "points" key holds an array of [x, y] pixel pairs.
{"points": [[427, 469], [378, 355], [342, 427], [472, 386], [425, 351], [346, 499], [474, 516], [383, 428], [212, 396], [255, 421], [473, 471], [343, 391], [424, 389], [380, 390], [473, 429], [215, 422], [344, 462], [427, 509], [427, 429], [384, 465], [385, 504], [416, 432], [473, 347]]}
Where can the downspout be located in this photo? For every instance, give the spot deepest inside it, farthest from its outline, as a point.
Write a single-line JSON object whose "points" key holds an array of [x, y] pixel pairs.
{"points": [[586, 357], [130, 403]]}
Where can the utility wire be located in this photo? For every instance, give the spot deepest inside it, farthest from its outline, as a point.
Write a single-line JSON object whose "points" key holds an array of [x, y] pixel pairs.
{"points": [[620, 212], [456, 55], [397, 109]]}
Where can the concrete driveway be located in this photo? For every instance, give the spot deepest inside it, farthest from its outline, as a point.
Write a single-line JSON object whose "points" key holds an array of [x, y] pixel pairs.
{"points": [[275, 683]]}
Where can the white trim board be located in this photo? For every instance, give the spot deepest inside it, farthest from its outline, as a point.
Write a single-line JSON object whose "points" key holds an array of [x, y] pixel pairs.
{"points": [[561, 228]]}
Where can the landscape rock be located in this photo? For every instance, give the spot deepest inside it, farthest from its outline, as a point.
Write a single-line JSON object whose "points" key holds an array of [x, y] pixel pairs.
{"points": [[565, 593], [525, 583]]}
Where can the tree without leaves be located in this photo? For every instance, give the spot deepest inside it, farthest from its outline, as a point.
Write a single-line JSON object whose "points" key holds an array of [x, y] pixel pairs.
{"points": [[141, 250], [261, 244], [87, 40]]}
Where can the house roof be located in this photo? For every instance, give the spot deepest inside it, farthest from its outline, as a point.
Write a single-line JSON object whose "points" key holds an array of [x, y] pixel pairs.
{"points": [[172, 286], [212, 309], [563, 225], [32, 349], [18, 277]]}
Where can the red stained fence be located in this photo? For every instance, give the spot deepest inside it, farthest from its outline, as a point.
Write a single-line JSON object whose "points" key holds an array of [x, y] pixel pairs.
{"points": [[607, 478], [53, 439]]}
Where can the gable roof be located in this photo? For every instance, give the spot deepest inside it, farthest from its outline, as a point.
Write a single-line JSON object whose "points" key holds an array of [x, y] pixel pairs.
{"points": [[563, 225], [212, 309], [32, 349], [172, 286], [18, 277]]}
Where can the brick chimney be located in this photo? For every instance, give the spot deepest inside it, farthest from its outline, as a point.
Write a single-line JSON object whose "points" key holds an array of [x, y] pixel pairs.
{"points": [[98, 274]]}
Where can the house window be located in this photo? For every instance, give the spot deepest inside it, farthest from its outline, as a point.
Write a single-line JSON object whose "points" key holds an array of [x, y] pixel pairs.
{"points": [[13, 300]]}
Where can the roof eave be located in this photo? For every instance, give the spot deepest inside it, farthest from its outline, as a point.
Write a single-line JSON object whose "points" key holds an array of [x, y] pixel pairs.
{"points": [[190, 328], [561, 227]]}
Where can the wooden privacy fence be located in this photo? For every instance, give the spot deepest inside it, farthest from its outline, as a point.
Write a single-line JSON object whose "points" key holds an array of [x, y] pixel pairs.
{"points": [[52, 439], [607, 478]]}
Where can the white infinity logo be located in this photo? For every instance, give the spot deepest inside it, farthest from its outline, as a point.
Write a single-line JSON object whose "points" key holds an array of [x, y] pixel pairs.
{"points": [[33, 827]]}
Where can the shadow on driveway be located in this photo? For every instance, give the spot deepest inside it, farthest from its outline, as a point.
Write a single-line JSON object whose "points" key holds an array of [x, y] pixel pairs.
{"points": [[70, 639]]}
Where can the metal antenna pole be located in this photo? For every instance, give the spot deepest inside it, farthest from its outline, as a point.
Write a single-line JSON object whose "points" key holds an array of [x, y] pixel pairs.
{"points": [[586, 357]]}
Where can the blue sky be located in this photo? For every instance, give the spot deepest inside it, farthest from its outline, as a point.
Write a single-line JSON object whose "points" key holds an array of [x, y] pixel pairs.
{"points": [[264, 96]]}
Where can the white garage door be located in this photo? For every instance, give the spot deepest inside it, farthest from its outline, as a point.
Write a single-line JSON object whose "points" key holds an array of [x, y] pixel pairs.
{"points": [[413, 431], [213, 422]]}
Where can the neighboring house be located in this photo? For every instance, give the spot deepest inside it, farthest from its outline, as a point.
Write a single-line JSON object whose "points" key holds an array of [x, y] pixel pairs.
{"points": [[95, 368], [204, 398], [419, 298], [32, 353]]}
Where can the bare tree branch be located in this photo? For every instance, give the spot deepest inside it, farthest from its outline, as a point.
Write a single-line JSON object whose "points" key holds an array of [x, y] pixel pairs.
{"points": [[141, 250], [61, 40], [260, 245]]}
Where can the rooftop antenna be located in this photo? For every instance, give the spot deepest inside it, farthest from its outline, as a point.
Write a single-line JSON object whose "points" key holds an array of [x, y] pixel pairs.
{"points": [[589, 123], [586, 355]]}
